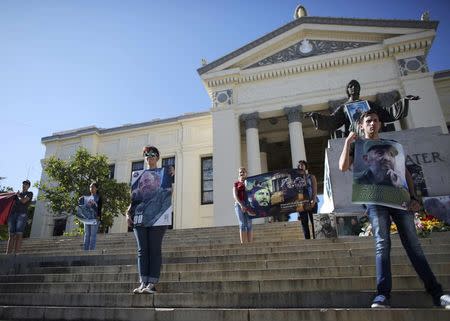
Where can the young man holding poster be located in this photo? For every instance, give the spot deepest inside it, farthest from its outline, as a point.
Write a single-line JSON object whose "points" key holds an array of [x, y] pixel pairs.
{"points": [[380, 210]]}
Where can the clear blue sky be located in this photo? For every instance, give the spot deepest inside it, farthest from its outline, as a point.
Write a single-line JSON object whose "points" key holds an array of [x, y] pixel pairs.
{"points": [[70, 64]]}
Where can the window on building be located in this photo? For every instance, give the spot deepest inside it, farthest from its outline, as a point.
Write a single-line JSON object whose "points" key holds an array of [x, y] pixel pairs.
{"points": [[112, 169], [207, 180], [136, 166], [168, 161]]}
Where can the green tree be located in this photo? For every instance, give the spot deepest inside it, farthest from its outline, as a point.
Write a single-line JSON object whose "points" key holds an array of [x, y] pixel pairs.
{"points": [[5, 189], [68, 180]]}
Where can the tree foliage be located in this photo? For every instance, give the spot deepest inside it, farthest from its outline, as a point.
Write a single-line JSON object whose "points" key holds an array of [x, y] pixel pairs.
{"points": [[68, 180], [5, 189]]}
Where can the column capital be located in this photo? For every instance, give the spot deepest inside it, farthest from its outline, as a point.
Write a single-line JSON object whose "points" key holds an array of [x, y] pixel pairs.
{"points": [[251, 120], [294, 114]]}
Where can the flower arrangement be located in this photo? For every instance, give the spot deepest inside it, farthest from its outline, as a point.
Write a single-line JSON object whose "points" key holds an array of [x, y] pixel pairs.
{"points": [[425, 224]]}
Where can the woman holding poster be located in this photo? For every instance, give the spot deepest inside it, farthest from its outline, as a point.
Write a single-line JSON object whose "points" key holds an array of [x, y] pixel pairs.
{"points": [[240, 197], [150, 205], [90, 213], [307, 183]]}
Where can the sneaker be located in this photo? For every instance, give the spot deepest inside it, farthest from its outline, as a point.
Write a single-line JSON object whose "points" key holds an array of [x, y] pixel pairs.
{"points": [[445, 301], [149, 288], [380, 302], [139, 289]]}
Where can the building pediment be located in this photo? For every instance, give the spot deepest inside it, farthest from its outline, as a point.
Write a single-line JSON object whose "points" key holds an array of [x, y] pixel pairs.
{"points": [[312, 36]]}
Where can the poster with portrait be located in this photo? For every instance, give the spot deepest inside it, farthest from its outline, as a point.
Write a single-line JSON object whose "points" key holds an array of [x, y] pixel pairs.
{"points": [[354, 111], [325, 226], [278, 192], [348, 225], [151, 197], [418, 178], [379, 174], [438, 206], [87, 210]]}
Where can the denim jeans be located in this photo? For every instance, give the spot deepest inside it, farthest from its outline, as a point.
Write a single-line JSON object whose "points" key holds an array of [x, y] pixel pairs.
{"points": [[245, 222], [17, 223], [90, 236], [149, 243], [380, 217], [303, 217]]}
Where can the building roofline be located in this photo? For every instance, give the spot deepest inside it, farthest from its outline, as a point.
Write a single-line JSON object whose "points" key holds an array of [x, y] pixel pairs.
{"points": [[442, 74], [100, 131], [320, 20]]}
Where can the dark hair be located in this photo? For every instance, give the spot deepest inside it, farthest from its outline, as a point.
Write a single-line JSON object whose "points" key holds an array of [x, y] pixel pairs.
{"points": [[27, 182], [97, 188], [303, 162], [352, 82], [367, 113], [147, 149]]}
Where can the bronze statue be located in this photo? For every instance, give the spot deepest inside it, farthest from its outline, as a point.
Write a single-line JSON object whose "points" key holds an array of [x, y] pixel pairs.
{"points": [[396, 111]]}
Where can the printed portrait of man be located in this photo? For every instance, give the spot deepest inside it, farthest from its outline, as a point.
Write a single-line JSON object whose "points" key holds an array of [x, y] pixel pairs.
{"points": [[380, 160], [259, 199], [325, 226], [150, 199]]}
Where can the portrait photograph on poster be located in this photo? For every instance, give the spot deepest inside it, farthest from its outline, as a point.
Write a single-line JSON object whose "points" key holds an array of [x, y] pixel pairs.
{"points": [[379, 174], [438, 206], [86, 211], [354, 111], [272, 193], [325, 226], [151, 197], [349, 225]]}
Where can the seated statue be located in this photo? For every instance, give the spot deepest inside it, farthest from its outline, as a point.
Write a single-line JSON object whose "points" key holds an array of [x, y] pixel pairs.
{"points": [[398, 110]]}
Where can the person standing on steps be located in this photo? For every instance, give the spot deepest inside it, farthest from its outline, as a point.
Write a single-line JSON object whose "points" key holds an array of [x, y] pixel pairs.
{"points": [[93, 204], [380, 218], [18, 218], [307, 183], [240, 198], [149, 201]]}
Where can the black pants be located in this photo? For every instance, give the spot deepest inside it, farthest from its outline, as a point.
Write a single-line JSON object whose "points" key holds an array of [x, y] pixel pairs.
{"points": [[303, 217]]}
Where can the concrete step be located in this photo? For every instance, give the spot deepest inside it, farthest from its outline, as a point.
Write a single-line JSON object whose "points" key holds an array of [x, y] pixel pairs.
{"points": [[291, 299], [33, 313], [121, 283], [233, 273]]}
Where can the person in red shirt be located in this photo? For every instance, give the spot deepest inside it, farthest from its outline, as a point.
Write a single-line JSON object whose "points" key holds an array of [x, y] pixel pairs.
{"points": [[240, 197]]}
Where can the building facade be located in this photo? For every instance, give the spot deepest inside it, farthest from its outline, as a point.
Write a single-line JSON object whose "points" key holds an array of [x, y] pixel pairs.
{"points": [[259, 96]]}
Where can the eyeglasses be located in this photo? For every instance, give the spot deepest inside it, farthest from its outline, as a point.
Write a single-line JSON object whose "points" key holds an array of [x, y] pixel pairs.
{"points": [[150, 154]]}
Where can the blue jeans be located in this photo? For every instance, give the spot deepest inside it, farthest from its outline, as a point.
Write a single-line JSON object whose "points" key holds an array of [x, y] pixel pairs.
{"points": [[245, 222], [17, 223], [149, 243], [90, 236], [380, 217]]}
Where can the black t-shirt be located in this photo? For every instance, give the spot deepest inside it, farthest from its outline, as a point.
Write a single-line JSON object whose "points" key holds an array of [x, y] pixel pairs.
{"points": [[19, 207]]}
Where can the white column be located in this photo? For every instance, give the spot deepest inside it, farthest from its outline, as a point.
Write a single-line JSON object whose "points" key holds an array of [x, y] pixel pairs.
{"points": [[297, 141], [263, 155], [252, 135], [226, 161], [427, 111]]}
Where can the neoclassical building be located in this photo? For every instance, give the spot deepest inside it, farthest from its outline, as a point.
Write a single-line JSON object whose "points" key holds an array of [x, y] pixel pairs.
{"points": [[259, 94]]}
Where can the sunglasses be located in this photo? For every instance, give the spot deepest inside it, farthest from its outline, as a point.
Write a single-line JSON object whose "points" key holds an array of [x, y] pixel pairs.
{"points": [[150, 154]]}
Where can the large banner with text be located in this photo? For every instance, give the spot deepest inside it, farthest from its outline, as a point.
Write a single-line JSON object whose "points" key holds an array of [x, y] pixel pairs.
{"points": [[278, 192]]}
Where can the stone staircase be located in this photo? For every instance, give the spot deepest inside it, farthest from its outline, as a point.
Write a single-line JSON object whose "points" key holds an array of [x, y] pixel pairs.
{"points": [[207, 275]]}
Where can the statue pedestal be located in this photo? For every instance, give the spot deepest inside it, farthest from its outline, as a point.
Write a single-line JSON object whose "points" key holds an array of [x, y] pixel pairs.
{"points": [[427, 149]]}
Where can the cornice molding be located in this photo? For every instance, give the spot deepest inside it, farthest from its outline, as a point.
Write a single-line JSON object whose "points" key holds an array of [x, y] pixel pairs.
{"points": [[347, 57]]}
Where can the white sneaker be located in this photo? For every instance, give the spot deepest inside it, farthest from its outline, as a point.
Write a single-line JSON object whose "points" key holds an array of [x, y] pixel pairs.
{"points": [[445, 301], [139, 289], [149, 288]]}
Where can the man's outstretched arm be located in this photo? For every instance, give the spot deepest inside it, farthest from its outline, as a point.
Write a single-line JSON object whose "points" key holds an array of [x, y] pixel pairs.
{"points": [[345, 161]]}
